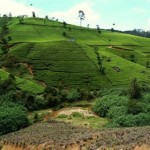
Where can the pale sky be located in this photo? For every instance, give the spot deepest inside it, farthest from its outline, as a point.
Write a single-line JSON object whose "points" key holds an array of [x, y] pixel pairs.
{"points": [[126, 14]]}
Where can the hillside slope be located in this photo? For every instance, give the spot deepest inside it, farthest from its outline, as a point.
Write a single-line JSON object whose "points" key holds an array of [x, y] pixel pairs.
{"points": [[55, 55]]}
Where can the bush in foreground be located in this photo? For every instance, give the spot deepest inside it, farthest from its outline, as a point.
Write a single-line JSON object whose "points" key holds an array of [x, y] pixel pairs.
{"points": [[124, 111], [12, 117]]}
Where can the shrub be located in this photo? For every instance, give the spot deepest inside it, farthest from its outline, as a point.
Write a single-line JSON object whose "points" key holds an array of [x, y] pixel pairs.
{"points": [[117, 111], [77, 114], [36, 118], [135, 90], [73, 95], [64, 34], [134, 107], [125, 121], [40, 102], [12, 117], [51, 90], [63, 94], [62, 116], [146, 98], [114, 91], [123, 111], [30, 101], [103, 105], [10, 61], [141, 119], [53, 100]]}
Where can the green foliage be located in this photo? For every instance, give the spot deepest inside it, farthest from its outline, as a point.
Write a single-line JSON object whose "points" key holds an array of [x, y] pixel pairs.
{"points": [[73, 95], [123, 111], [64, 34], [36, 118], [4, 31], [64, 24], [55, 58], [77, 114], [104, 104], [147, 64], [62, 116], [7, 85], [12, 117], [117, 111], [142, 119], [134, 107], [100, 63], [135, 90]]}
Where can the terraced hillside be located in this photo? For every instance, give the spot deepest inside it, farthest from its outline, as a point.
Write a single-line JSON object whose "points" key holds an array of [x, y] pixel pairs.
{"points": [[52, 54]]}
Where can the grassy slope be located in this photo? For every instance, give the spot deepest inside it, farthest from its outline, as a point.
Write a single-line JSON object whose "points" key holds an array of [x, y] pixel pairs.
{"points": [[22, 83], [54, 58]]}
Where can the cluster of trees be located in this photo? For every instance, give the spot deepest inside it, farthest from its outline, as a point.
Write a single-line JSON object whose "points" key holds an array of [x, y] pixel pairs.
{"points": [[125, 108], [14, 103], [55, 97], [139, 32], [100, 63], [4, 41], [13, 116]]}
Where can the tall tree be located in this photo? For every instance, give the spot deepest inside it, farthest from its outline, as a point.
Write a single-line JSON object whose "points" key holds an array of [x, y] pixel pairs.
{"points": [[64, 24], [45, 19], [112, 29], [135, 90], [33, 14], [10, 16], [81, 16], [98, 29]]}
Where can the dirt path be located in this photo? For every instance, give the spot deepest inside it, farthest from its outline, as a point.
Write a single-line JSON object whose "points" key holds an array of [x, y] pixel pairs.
{"points": [[119, 48], [29, 68]]}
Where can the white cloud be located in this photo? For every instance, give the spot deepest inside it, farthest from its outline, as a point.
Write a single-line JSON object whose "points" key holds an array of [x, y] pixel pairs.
{"points": [[16, 8], [71, 15]]}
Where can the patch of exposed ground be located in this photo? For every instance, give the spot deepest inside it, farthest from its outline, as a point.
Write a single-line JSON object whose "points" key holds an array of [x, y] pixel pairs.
{"points": [[29, 68], [119, 48], [62, 136], [69, 111], [78, 116]]}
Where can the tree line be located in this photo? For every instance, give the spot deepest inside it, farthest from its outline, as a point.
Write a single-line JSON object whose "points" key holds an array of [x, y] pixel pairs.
{"points": [[139, 32]]}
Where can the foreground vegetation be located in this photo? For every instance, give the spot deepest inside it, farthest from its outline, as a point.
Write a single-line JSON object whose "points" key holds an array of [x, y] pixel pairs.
{"points": [[58, 135], [125, 108]]}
